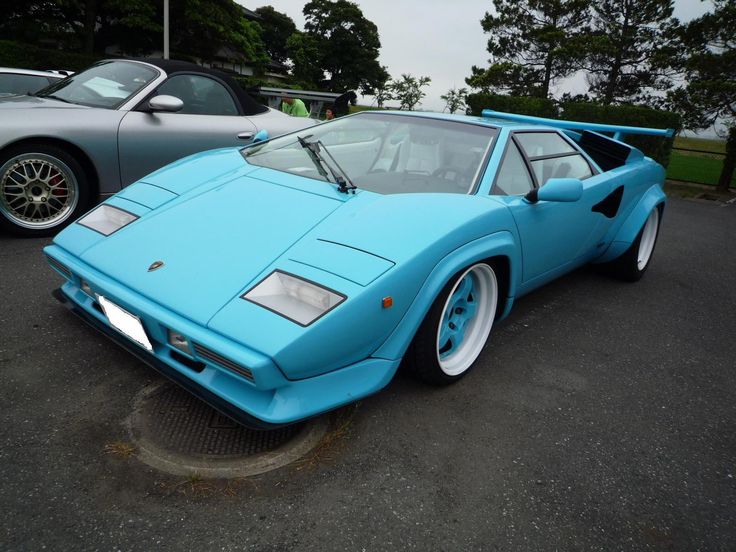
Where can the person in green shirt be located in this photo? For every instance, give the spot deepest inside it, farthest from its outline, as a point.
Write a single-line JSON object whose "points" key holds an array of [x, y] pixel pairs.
{"points": [[294, 107]]}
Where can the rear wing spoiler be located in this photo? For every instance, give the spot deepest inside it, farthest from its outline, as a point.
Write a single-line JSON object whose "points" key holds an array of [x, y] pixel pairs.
{"points": [[618, 131]]}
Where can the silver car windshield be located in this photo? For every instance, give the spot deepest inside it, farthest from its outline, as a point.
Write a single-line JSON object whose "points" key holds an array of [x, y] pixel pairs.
{"points": [[108, 84], [388, 153]]}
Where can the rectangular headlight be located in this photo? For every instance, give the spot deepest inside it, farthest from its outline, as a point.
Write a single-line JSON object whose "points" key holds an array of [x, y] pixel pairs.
{"points": [[294, 298], [107, 219]]}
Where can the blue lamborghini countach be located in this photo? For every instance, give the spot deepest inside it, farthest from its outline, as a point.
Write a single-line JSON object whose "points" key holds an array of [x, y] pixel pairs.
{"points": [[293, 276]]}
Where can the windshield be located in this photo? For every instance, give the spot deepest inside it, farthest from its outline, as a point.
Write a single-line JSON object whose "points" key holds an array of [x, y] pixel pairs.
{"points": [[108, 84], [387, 153]]}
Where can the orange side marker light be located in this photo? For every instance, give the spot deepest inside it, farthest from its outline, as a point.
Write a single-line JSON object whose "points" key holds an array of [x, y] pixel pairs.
{"points": [[387, 302]]}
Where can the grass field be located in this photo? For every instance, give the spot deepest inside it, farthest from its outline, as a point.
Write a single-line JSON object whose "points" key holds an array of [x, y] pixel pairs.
{"points": [[701, 168], [705, 144]]}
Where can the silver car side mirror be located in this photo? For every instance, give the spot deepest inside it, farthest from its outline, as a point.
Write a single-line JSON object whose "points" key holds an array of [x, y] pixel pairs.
{"points": [[163, 102]]}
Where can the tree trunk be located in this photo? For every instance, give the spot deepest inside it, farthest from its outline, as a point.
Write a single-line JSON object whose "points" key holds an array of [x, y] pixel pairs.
{"points": [[729, 163], [547, 76], [90, 23], [615, 72]]}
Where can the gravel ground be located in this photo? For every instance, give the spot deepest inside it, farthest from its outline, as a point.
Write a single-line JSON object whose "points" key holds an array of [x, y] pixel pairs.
{"points": [[602, 416]]}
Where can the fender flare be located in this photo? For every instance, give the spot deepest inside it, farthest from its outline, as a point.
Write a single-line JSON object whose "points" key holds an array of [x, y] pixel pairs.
{"points": [[499, 244], [653, 198]]}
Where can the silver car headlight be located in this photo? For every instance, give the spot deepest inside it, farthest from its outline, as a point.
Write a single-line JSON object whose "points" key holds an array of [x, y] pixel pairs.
{"points": [[292, 297], [107, 219]]}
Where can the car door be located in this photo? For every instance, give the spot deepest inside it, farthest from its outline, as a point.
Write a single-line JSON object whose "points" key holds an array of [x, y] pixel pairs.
{"points": [[555, 236], [209, 119]]}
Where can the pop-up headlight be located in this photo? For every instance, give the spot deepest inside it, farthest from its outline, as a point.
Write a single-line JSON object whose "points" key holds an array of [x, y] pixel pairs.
{"points": [[107, 219], [294, 298]]}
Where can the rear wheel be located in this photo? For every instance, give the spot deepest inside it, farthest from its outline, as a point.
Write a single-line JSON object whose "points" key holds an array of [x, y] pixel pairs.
{"points": [[456, 327], [42, 189], [634, 262]]}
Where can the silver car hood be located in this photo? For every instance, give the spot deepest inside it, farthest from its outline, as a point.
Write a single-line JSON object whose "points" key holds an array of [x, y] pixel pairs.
{"points": [[30, 102]]}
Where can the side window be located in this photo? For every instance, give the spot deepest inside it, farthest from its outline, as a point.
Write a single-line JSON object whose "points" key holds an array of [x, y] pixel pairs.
{"points": [[551, 156], [513, 177], [201, 95], [569, 166], [537, 144]]}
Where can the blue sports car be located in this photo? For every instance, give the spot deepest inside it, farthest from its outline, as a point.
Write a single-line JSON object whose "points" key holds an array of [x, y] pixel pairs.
{"points": [[293, 276]]}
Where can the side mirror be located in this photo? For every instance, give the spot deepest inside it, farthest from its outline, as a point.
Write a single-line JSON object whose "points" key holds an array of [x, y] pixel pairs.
{"points": [[261, 136], [557, 189], [165, 103]]}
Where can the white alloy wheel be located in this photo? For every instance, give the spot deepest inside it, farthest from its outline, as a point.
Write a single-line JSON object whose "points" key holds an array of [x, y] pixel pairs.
{"points": [[648, 237], [466, 319]]}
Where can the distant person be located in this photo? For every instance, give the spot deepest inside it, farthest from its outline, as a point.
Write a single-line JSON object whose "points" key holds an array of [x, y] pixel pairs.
{"points": [[294, 107], [329, 113], [341, 103]]}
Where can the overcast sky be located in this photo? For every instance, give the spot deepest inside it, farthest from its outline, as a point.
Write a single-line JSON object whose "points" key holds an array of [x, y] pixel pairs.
{"points": [[438, 39]]}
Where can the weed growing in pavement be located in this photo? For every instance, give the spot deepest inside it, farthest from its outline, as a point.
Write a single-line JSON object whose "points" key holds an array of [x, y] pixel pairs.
{"points": [[332, 441], [119, 448]]}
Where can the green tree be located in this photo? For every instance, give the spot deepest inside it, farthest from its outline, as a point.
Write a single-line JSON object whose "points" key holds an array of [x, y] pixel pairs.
{"points": [[199, 28], [382, 90], [82, 25], [625, 50], [277, 27], [532, 44], [708, 64], [304, 52], [205, 28], [455, 99], [408, 90], [348, 43]]}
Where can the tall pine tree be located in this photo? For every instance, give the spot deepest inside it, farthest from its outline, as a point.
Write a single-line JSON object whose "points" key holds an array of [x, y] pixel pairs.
{"points": [[625, 49], [532, 43]]}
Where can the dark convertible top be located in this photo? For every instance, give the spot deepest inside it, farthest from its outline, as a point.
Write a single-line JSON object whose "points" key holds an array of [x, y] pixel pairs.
{"points": [[170, 66]]}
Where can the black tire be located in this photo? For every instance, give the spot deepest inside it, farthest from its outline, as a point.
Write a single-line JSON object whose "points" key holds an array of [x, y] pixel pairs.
{"points": [[422, 358], [627, 267], [33, 224]]}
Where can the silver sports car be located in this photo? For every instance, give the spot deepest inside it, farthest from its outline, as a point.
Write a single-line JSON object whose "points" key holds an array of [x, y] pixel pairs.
{"points": [[24, 81], [101, 129]]}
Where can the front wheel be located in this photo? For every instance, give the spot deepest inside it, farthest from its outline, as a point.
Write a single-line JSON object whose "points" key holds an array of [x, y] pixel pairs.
{"points": [[456, 328], [42, 189]]}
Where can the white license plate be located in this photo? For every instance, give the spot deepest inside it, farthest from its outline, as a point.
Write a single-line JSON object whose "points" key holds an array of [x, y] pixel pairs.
{"points": [[126, 323]]}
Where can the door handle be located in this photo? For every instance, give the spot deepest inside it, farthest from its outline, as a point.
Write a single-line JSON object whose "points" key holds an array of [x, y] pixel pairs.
{"points": [[245, 135]]}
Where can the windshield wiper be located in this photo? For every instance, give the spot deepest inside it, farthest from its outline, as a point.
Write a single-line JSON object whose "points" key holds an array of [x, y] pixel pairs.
{"points": [[55, 98], [314, 149]]}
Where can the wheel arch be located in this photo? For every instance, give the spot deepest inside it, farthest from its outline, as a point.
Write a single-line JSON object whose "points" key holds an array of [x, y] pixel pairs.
{"points": [[653, 198], [72, 149], [499, 248]]}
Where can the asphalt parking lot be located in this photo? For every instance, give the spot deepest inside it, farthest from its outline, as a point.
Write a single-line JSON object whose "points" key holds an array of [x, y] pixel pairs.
{"points": [[602, 416]]}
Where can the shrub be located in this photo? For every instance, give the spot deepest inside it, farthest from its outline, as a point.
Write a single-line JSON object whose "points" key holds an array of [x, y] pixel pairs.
{"points": [[630, 115], [523, 105], [27, 56]]}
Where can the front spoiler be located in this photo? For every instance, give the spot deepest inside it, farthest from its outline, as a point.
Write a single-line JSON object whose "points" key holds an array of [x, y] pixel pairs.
{"points": [[213, 400], [288, 402]]}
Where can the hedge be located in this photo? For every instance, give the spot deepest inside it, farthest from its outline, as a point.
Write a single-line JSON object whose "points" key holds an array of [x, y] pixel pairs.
{"points": [[523, 105], [27, 56], [630, 115]]}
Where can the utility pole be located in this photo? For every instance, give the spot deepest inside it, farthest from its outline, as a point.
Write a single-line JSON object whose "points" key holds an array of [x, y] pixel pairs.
{"points": [[166, 29]]}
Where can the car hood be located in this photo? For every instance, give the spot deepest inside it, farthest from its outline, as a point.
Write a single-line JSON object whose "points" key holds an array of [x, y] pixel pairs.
{"points": [[211, 243], [33, 102]]}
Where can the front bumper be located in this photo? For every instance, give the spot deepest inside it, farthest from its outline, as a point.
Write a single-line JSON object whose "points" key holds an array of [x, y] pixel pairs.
{"points": [[266, 399]]}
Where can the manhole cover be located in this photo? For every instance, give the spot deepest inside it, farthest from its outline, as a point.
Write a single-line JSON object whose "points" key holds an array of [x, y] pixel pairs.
{"points": [[178, 433]]}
